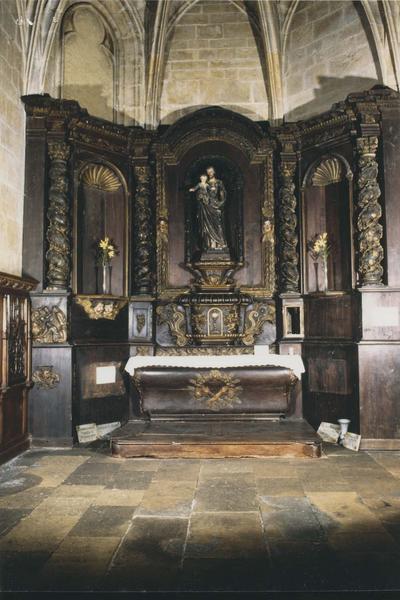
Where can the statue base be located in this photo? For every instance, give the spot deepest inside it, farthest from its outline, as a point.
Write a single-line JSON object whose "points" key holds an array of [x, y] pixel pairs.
{"points": [[216, 274]]}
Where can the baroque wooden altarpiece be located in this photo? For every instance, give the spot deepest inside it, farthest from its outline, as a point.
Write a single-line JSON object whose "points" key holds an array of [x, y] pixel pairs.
{"points": [[339, 173]]}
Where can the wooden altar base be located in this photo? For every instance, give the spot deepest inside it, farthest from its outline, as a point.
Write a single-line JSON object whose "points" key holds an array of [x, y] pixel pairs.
{"points": [[210, 439]]}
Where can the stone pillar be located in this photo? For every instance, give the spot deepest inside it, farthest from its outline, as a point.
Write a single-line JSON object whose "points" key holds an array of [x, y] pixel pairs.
{"points": [[143, 234], [369, 212], [58, 227], [289, 277]]}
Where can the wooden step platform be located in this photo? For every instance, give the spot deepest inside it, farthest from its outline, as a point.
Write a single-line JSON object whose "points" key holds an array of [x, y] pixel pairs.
{"points": [[216, 439]]}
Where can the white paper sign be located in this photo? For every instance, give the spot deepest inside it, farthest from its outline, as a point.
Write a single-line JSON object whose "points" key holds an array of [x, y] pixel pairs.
{"points": [[87, 433], [105, 375], [329, 432], [352, 441], [106, 428]]}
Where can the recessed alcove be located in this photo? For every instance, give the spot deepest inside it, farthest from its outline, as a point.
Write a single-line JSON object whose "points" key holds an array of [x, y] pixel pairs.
{"points": [[101, 211], [327, 207]]}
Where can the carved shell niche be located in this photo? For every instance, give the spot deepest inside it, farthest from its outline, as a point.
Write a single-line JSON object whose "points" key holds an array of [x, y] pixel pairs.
{"points": [[328, 171], [100, 177]]}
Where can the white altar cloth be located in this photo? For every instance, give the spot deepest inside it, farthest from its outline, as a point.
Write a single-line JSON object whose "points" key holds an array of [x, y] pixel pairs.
{"points": [[289, 361]]}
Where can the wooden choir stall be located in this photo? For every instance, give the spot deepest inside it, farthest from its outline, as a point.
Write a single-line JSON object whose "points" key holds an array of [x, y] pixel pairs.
{"points": [[219, 286]]}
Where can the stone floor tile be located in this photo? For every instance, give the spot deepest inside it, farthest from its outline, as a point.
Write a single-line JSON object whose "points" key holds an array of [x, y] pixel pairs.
{"points": [[115, 497], [93, 474], [139, 464], [23, 480], [364, 541], [225, 535], [221, 497], [9, 517], [344, 512], [150, 555], [184, 488], [279, 487], [29, 498], [217, 467], [165, 505], [53, 470], [179, 470], [205, 574], [304, 565], [19, 570], [274, 469], [290, 519], [77, 491], [46, 526], [78, 565], [103, 521], [131, 480]]}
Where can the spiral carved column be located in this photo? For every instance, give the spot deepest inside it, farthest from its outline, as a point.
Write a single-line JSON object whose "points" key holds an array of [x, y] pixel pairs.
{"points": [[370, 231], [143, 256], [58, 234], [288, 255]]}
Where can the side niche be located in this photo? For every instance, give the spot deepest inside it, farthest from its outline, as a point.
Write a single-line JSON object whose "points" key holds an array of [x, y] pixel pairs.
{"points": [[101, 211], [327, 207]]}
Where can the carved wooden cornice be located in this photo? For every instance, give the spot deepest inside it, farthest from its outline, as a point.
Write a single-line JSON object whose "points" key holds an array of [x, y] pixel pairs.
{"points": [[13, 283]]}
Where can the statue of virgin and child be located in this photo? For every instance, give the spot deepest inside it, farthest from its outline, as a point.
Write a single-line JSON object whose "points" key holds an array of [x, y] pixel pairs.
{"points": [[211, 197]]}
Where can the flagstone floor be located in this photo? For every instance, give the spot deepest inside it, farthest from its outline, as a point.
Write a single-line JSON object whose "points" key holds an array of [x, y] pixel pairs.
{"points": [[81, 520]]}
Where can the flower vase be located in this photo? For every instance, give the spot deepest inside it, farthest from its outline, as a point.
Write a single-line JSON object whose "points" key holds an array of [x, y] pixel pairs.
{"points": [[106, 287], [316, 267], [325, 269]]}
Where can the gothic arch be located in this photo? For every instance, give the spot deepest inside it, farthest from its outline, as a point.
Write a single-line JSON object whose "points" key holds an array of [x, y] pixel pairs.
{"points": [[41, 44]]}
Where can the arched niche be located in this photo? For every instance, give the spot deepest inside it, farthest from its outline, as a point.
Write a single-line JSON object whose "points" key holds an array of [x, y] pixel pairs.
{"points": [[101, 210], [243, 157], [88, 58], [327, 206]]}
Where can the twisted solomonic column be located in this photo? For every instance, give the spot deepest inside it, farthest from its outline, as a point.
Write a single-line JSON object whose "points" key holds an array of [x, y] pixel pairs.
{"points": [[143, 235], [287, 227], [58, 227], [370, 231]]}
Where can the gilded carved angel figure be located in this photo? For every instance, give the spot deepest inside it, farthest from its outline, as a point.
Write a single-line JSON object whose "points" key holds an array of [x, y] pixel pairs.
{"points": [[211, 198]]}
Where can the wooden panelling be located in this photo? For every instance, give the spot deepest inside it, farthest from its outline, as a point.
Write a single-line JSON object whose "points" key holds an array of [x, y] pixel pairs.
{"points": [[379, 368], [15, 363]]}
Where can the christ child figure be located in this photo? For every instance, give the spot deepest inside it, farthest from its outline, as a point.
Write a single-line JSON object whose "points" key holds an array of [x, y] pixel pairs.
{"points": [[201, 189]]}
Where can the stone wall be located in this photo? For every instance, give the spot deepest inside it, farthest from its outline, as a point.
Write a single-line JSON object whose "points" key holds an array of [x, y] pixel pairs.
{"points": [[12, 140], [328, 55], [213, 59]]}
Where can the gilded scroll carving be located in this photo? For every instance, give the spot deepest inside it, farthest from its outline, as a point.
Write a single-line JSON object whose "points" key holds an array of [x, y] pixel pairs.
{"points": [[289, 260], [58, 252], [49, 325], [176, 321], [142, 267], [370, 231], [256, 317], [45, 377], [100, 308], [216, 389], [214, 351]]}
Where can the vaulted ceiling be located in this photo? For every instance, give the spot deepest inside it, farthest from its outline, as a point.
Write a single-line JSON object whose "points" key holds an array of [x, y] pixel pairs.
{"points": [[144, 30]]}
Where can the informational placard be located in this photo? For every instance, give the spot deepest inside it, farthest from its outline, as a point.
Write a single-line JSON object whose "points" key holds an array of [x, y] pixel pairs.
{"points": [[329, 432], [87, 433], [351, 441], [90, 432], [105, 375]]}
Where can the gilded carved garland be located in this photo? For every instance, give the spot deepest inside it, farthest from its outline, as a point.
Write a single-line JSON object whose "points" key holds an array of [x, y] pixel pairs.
{"points": [[370, 231], [58, 252]]}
